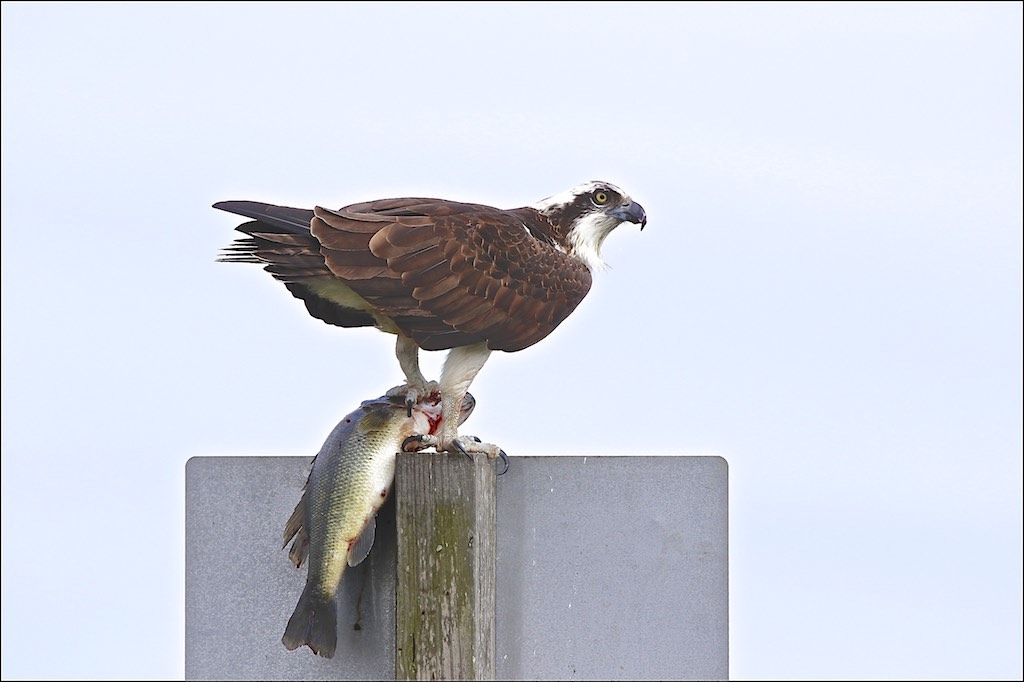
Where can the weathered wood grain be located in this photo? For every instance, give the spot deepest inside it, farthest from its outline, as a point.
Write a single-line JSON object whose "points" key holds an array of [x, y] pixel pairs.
{"points": [[445, 517]]}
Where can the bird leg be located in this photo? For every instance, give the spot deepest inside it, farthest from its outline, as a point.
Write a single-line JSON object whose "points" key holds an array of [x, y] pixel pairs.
{"points": [[416, 387], [460, 368]]}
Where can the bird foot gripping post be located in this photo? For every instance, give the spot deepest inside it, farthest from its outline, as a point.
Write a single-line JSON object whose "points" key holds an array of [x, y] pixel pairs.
{"points": [[445, 516]]}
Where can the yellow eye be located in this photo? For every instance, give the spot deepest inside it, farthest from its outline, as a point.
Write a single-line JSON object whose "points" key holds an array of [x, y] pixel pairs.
{"points": [[600, 197]]}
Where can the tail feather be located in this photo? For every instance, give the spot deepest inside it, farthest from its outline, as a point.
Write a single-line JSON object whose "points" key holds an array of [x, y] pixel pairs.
{"points": [[314, 624], [286, 218], [279, 239]]}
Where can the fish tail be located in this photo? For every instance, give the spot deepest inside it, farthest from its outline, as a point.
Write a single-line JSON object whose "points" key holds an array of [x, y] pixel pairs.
{"points": [[314, 623]]}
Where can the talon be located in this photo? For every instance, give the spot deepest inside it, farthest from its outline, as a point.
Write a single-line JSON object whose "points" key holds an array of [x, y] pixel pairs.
{"points": [[461, 448], [412, 394], [472, 444], [417, 437]]}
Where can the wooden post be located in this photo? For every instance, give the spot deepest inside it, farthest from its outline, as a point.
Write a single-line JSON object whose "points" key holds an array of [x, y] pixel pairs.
{"points": [[445, 518]]}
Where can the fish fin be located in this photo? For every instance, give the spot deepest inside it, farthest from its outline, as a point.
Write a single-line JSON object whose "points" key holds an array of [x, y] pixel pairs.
{"points": [[313, 623], [361, 546], [300, 548], [295, 521], [295, 528]]}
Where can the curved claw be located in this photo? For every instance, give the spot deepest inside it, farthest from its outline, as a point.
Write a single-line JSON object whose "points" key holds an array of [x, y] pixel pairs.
{"points": [[423, 440], [487, 449], [412, 393], [461, 448]]}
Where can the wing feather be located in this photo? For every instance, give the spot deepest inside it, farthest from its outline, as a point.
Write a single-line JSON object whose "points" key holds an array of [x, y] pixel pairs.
{"points": [[491, 279], [445, 273], [445, 284], [416, 260]]}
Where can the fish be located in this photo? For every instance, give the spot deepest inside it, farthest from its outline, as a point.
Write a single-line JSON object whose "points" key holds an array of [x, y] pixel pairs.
{"points": [[334, 522]]}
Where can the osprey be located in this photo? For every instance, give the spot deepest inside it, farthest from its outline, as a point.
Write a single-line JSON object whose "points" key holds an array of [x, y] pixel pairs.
{"points": [[439, 274]]}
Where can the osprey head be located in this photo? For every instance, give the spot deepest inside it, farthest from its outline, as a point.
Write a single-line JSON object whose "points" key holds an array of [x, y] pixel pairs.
{"points": [[586, 214]]}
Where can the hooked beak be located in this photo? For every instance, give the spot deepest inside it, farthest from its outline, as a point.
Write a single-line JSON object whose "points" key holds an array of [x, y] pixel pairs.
{"points": [[631, 212]]}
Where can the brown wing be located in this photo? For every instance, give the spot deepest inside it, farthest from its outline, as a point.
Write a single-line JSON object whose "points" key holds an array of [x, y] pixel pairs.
{"points": [[450, 274]]}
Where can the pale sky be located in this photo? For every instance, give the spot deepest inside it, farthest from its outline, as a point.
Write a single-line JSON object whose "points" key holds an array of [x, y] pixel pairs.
{"points": [[828, 292]]}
